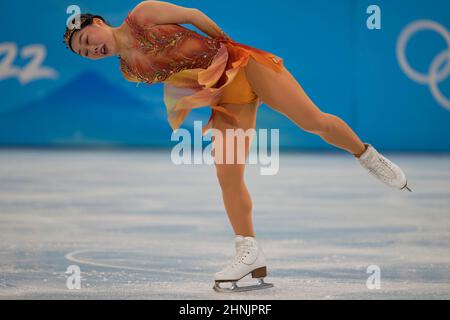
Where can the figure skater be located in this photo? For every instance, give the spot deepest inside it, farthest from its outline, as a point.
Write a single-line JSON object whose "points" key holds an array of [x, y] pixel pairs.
{"points": [[233, 79]]}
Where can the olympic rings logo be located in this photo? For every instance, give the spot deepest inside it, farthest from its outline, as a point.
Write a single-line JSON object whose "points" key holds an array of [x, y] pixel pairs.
{"points": [[435, 75]]}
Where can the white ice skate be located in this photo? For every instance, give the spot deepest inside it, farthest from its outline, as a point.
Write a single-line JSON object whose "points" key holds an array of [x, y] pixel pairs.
{"points": [[382, 168], [249, 259]]}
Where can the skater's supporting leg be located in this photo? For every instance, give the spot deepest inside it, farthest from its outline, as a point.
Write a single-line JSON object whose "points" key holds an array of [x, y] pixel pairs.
{"points": [[283, 93], [236, 197]]}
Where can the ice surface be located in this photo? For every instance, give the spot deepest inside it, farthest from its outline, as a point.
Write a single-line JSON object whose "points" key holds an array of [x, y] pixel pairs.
{"points": [[140, 227]]}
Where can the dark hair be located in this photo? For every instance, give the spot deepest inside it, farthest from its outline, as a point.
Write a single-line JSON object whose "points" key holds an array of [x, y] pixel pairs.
{"points": [[86, 19]]}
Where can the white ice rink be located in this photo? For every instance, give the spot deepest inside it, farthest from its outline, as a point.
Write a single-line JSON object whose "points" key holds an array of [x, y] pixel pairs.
{"points": [[140, 227]]}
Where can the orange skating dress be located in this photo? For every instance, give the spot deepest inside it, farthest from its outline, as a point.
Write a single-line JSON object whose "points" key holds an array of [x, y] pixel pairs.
{"points": [[197, 71]]}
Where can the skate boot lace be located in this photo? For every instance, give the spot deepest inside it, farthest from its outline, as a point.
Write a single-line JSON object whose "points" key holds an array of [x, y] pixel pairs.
{"points": [[381, 169], [242, 252]]}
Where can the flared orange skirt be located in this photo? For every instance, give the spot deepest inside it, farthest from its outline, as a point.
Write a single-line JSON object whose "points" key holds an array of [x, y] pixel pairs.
{"points": [[223, 82]]}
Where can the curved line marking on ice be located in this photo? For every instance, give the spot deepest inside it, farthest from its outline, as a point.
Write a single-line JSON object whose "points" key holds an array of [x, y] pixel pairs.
{"points": [[71, 256]]}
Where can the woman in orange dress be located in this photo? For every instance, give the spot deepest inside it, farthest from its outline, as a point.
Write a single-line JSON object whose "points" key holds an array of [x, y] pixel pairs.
{"points": [[233, 79]]}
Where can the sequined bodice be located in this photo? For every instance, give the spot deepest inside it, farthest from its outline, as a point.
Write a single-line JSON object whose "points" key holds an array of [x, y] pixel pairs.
{"points": [[160, 51]]}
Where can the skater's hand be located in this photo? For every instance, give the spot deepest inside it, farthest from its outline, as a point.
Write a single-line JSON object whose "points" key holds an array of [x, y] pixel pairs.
{"points": [[223, 35]]}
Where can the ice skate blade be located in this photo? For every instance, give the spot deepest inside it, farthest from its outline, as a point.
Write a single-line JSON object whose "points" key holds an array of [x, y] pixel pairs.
{"points": [[406, 187], [235, 288]]}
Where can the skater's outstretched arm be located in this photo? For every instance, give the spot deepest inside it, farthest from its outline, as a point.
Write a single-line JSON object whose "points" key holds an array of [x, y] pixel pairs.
{"points": [[160, 12]]}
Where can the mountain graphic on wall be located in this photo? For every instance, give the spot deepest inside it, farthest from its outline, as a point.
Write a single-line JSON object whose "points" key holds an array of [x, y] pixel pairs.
{"points": [[87, 111], [91, 111]]}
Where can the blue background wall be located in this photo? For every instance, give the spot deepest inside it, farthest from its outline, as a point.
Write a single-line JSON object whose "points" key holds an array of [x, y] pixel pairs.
{"points": [[346, 69]]}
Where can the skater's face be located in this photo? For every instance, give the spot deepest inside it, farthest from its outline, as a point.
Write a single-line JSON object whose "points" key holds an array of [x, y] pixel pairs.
{"points": [[95, 41]]}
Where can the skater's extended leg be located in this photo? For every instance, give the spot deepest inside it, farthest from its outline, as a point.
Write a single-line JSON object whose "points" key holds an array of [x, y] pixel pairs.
{"points": [[236, 197], [283, 93]]}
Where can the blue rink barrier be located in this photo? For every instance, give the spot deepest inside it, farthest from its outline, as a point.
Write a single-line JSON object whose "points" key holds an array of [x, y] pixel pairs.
{"points": [[391, 85]]}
